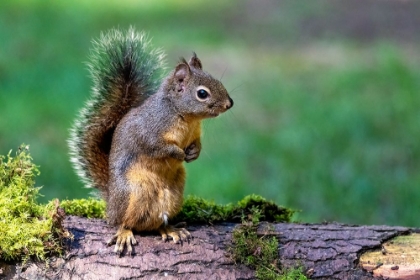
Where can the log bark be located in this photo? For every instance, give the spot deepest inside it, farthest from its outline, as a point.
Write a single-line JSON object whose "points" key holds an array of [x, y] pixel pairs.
{"points": [[325, 251], [332, 251]]}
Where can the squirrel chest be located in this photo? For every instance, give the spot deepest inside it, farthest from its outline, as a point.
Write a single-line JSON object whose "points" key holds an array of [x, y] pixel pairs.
{"points": [[183, 133]]}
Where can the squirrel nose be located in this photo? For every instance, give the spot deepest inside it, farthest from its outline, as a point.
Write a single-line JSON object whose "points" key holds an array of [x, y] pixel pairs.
{"points": [[229, 104]]}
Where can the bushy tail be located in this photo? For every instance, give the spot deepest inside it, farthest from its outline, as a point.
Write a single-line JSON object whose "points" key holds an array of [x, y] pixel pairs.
{"points": [[125, 71]]}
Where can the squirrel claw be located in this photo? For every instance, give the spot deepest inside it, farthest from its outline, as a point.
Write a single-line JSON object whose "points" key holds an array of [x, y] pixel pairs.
{"points": [[123, 237], [192, 152], [178, 235]]}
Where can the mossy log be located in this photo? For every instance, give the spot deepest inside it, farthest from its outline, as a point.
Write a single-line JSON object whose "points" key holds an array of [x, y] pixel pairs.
{"points": [[324, 251]]}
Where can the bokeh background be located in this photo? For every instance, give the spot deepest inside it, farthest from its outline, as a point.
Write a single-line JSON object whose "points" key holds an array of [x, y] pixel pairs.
{"points": [[327, 106]]}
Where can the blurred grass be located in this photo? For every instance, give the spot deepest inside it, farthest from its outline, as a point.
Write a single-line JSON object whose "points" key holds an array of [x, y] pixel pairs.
{"points": [[326, 116]]}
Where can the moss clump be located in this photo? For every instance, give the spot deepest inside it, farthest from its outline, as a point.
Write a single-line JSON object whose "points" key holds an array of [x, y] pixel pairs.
{"points": [[268, 210], [26, 228], [198, 210], [259, 252], [292, 274], [89, 208]]}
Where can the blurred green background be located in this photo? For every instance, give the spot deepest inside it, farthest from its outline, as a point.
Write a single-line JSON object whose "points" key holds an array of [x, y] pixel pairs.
{"points": [[327, 105]]}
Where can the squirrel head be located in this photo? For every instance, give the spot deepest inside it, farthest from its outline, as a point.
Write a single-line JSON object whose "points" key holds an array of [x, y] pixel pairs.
{"points": [[196, 93]]}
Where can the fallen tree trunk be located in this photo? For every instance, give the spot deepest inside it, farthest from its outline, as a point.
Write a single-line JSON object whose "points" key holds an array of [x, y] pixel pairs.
{"points": [[325, 251]]}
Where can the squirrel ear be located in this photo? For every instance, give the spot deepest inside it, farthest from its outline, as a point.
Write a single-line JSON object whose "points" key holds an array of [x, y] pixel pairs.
{"points": [[181, 74], [195, 62]]}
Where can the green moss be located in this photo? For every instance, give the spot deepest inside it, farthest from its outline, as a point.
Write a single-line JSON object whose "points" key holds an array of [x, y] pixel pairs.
{"points": [[259, 252], [268, 210], [89, 208], [26, 228], [199, 210], [292, 274]]}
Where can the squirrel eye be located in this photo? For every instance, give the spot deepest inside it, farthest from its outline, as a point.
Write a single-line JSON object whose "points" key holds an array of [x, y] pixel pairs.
{"points": [[202, 94]]}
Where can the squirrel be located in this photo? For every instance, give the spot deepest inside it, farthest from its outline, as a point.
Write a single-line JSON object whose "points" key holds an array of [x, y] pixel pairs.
{"points": [[133, 135]]}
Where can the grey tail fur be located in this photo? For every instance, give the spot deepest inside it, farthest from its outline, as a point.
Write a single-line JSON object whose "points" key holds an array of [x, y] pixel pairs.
{"points": [[125, 71]]}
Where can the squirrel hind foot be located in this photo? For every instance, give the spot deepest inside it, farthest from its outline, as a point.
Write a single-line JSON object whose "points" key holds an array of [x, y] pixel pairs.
{"points": [[178, 235], [123, 238]]}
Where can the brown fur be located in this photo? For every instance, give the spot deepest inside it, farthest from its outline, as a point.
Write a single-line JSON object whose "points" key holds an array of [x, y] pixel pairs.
{"points": [[138, 162], [151, 142]]}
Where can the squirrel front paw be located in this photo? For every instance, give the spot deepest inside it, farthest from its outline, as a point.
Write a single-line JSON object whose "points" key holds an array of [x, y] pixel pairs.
{"points": [[177, 234], [175, 152], [123, 237], [192, 152]]}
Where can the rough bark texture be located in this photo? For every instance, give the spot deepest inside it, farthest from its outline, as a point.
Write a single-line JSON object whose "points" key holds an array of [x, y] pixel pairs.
{"points": [[326, 251], [331, 251]]}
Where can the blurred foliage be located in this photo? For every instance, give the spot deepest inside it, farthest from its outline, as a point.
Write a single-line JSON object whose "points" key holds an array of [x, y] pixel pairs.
{"points": [[326, 94]]}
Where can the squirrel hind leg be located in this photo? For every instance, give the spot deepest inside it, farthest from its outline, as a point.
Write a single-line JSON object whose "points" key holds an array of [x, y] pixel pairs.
{"points": [[178, 235], [123, 238]]}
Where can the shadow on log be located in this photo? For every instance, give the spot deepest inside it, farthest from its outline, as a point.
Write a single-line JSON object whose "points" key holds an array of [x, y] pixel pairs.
{"points": [[325, 251]]}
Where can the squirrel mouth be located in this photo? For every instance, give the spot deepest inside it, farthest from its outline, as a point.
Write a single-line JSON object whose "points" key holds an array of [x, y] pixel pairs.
{"points": [[214, 114]]}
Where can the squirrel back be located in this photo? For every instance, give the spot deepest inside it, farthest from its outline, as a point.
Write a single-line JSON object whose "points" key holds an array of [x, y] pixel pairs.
{"points": [[125, 70]]}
